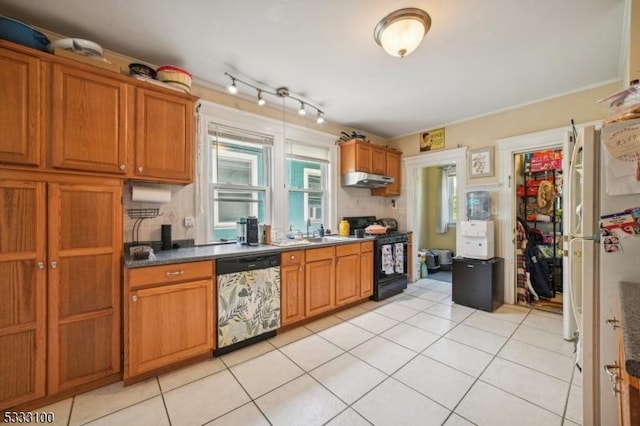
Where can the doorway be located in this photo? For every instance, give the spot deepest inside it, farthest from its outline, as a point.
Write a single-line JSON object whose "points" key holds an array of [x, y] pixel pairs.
{"points": [[507, 150], [416, 166], [437, 209], [538, 180]]}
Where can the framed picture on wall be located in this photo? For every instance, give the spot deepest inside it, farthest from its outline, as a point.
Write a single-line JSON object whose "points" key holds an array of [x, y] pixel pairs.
{"points": [[481, 162], [432, 140]]}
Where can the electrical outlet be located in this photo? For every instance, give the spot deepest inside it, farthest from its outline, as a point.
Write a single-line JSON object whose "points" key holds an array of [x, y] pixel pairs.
{"points": [[189, 222]]}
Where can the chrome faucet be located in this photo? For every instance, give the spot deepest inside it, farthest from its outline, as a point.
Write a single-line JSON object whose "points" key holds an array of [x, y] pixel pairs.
{"points": [[308, 226]]}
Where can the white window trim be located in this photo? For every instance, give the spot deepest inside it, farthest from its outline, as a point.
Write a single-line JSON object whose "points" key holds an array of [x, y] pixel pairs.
{"points": [[278, 196]]}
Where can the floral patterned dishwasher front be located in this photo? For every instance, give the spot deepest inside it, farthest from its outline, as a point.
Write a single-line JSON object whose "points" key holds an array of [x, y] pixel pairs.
{"points": [[248, 304]]}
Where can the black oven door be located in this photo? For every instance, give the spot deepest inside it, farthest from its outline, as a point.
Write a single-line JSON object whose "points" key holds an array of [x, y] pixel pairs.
{"points": [[391, 269]]}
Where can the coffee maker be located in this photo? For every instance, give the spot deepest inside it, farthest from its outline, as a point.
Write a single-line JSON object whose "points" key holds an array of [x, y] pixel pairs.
{"points": [[247, 231]]}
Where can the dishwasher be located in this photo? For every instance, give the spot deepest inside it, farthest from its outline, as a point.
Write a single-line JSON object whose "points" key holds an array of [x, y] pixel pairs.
{"points": [[248, 293]]}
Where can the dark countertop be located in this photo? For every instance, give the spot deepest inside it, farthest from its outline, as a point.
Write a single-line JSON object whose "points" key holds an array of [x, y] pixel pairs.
{"points": [[218, 251], [630, 312]]}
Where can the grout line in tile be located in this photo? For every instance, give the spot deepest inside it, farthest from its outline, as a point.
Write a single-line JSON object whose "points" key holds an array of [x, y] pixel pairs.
{"points": [[566, 401], [164, 402], [73, 401], [118, 410]]}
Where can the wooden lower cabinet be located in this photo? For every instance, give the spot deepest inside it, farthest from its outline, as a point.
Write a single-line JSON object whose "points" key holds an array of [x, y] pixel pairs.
{"points": [[171, 320], [85, 255], [319, 280], [291, 287], [366, 269], [347, 273], [628, 394], [23, 289], [60, 260]]}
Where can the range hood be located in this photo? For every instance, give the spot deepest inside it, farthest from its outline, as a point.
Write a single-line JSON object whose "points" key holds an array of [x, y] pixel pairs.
{"points": [[365, 180]]}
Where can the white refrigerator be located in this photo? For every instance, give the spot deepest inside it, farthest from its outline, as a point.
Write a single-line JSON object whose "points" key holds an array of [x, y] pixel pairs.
{"points": [[604, 181]]}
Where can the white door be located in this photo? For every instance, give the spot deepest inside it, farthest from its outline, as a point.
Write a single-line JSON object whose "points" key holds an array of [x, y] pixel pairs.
{"points": [[569, 322], [581, 228]]}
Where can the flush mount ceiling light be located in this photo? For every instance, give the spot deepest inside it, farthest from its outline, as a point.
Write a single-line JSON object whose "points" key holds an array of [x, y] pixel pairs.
{"points": [[401, 32]]}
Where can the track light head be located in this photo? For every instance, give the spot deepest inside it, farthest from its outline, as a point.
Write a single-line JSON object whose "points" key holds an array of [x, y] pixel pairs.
{"points": [[301, 111], [232, 87], [320, 117], [261, 101]]}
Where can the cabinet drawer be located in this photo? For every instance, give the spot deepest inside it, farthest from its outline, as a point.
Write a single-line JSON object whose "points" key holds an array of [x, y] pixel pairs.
{"points": [[366, 246], [295, 257], [347, 249], [312, 255], [169, 273]]}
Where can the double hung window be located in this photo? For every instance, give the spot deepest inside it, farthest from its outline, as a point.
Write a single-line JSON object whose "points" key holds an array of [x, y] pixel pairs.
{"points": [[306, 177], [240, 178]]}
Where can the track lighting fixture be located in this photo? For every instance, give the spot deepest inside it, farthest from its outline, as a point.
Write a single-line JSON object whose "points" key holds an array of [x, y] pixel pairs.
{"points": [[232, 87], [281, 92]]}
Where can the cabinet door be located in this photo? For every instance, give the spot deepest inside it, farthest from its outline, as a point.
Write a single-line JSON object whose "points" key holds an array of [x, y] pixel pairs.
{"points": [[19, 109], [168, 324], [292, 294], [23, 289], [347, 279], [85, 246], [319, 282], [393, 169], [90, 118], [378, 160], [366, 274], [164, 137], [363, 157]]}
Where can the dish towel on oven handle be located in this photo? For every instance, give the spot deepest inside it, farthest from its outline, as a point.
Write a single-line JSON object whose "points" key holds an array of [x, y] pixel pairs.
{"points": [[398, 249], [387, 259]]}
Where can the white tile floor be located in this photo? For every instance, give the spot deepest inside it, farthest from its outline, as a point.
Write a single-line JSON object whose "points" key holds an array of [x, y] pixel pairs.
{"points": [[414, 359]]}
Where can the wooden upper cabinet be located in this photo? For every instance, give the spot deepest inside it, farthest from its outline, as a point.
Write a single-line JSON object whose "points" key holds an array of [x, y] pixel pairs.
{"points": [[378, 160], [164, 137], [393, 169], [90, 118], [84, 253], [23, 289], [20, 96], [355, 156]]}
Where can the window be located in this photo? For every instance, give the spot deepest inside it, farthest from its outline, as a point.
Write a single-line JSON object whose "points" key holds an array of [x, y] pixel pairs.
{"points": [[250, 165], [453, 197], [240, 167], [306, 182], [448, 199]]}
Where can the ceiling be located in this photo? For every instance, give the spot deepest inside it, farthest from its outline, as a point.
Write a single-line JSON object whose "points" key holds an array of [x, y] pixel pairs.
{"points": [[480, 56]]}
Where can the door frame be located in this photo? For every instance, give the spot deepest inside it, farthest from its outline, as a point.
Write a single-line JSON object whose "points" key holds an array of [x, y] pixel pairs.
{"points": [[507, 148], [412, 166]]}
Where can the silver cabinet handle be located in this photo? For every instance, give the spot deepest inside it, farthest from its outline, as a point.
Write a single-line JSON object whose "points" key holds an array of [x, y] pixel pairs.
{"points": [[54, 264], [613, 377], [300, 269], [40, 265], [140, 169], [613, 322], [122, 167], [134, 298], [292, 257], [171, 274], [608, 368]]}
